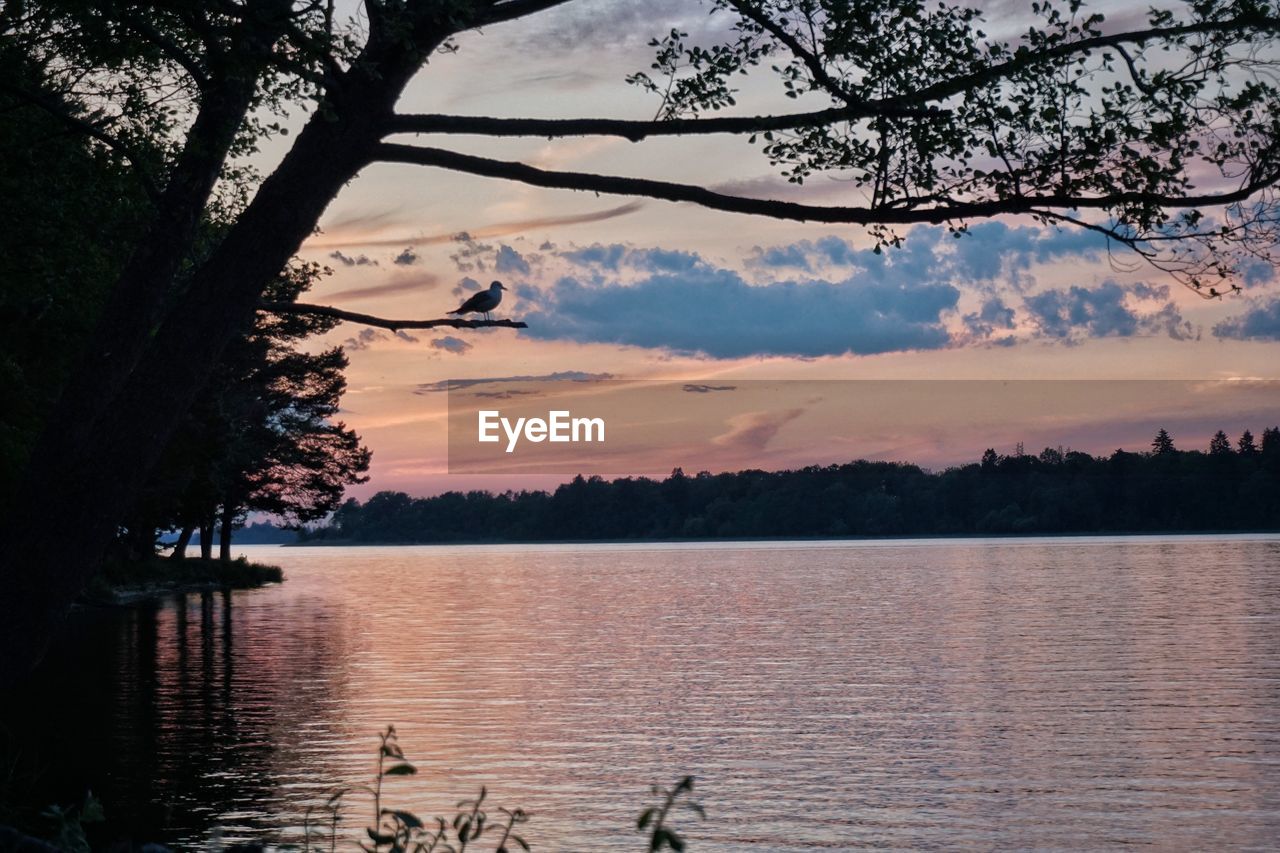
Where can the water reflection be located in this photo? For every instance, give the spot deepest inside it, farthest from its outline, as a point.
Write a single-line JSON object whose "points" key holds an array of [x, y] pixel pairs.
{"points": [[1027, 693], [181, 732]]}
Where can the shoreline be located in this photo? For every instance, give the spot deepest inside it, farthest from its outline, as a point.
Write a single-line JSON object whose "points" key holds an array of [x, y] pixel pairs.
{"points": [[123, 583], [351, 543]]}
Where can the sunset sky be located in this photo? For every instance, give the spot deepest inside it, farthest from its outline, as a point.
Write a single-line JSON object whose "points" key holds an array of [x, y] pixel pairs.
{"points": [[641, 289]]}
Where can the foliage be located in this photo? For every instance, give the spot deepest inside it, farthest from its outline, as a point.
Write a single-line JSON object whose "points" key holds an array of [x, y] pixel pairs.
{"points": [[262, 437], [68, 824], [1071, 117], [1055, 492], [402, 831], [656, 819], [68, 213]]}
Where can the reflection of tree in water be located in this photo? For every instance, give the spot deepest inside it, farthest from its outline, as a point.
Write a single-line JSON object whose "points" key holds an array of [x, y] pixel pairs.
{"points": [[182, 717]]}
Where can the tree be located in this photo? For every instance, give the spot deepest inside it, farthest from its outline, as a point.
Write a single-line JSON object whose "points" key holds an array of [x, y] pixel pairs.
{"points": [[1246, 445], [929, 119], [264, 426], [1162, 443], [1271, 442], [1219, 445]]}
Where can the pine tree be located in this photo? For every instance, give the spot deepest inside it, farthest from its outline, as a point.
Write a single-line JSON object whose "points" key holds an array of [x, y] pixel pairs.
{"points": [[1162, 443], [1246, 445], [1219, 445], [1271, 441]]}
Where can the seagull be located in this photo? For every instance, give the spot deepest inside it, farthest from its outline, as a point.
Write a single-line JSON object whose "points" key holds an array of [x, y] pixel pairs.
{"points": [[482, 302]]}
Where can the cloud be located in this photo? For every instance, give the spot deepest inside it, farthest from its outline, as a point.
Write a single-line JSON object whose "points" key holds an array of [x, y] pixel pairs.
{"points": [[362, 340], [1260, 323], [406, 258], [992, 316], [663, 260], [989, 251], [1069, 314], [510, 261], [501, 229], [451, 344], [1255, 271], [1142, 290], [795, 256], [558, 376], [424, 281], [717, 313], [752, 431], [511, 394], [694, 388], [614, 256], [609, 257], [366, 337], [350, 261]]}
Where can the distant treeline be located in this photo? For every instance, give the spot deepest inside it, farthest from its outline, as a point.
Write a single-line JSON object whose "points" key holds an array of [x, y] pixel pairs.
{"points": [[1230, 487]]}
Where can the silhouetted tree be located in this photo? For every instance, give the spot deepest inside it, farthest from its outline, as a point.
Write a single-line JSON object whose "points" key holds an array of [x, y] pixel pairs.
{"points": [[1050, 456], [1162, 443], [1246, 445], [262, 436], [930, 120], [1271, 441], [1219, 445]]}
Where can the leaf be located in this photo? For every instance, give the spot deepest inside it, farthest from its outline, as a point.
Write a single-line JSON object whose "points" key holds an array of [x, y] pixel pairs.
{"points": [[645, 817], [400, 770], [91, 811], [409, 819]]}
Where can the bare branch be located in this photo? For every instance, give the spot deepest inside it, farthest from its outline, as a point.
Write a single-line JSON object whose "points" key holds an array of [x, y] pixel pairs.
{"points": [[1136, 77], [669, 191], [635, 131], [382, 322]]}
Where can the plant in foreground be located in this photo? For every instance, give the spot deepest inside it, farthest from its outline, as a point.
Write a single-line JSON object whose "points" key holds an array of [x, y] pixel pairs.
{"points": [[401, 831], [656, 818]]}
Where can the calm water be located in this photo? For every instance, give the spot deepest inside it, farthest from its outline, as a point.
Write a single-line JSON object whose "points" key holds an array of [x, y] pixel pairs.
{"points": [[914, 694]]}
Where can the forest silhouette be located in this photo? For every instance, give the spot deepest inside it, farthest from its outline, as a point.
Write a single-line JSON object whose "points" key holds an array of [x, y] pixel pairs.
{"points": [[1233, 486]]}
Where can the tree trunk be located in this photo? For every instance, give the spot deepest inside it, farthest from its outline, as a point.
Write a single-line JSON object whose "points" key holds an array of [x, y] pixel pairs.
{"points": [[81, 483], [224, 533], [184, 539], [206, 539]]}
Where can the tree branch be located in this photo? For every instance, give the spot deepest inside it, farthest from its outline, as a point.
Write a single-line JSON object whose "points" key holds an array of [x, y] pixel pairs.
{"points": [[57, 109], [1027, 59], [635, 131], [171, 49], [382, 322], [669, 191], [512, 9], [810, 60]]}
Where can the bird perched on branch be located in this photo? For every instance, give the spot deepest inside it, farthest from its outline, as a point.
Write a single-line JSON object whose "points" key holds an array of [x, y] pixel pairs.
{"points": [[482, 302]]}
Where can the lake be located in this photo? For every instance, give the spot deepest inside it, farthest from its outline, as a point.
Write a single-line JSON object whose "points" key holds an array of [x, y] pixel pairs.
{"points": [[1047, 693]]}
